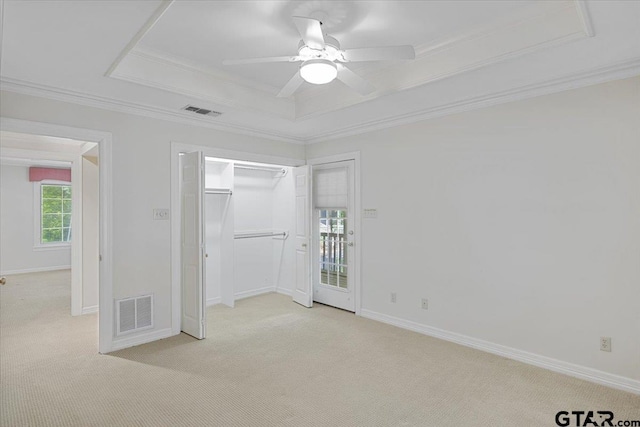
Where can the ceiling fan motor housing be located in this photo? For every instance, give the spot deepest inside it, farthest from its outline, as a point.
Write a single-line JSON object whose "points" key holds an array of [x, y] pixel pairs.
{"points": [[330, 51]]}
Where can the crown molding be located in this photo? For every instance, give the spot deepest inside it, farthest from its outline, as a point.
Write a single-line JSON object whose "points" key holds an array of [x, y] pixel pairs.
{"points": [[486, 30], [66, 95], [618, 71], [474, 49], [169, 59], [161, 72]]}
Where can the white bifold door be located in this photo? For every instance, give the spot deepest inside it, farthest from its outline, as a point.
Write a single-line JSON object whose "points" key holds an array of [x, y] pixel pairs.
{"points": [[303, 292], [193, 298]]}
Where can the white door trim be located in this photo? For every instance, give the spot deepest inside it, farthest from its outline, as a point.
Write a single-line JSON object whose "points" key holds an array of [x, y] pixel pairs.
{"points": [[355, 156], [176, 148], [104, 140]]}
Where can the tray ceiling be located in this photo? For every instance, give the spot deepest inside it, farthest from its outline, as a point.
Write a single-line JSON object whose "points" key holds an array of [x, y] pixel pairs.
{"points": [[158, 56]]}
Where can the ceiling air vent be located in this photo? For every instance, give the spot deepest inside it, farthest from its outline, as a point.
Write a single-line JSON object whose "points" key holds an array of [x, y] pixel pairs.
{"points": [[202, 111]]}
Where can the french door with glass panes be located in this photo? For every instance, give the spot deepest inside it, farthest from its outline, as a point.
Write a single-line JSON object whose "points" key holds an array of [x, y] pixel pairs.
{"points": [[333, 235]]}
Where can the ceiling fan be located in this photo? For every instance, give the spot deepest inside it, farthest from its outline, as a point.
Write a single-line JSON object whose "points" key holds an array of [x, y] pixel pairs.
{"points": [[322, 60]]}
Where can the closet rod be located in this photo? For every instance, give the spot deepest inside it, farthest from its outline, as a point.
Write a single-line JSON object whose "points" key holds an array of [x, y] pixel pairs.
{"points": [[253, 235], [218, 191], [261, 168]]}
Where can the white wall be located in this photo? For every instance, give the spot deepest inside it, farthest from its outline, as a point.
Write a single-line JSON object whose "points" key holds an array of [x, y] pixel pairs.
{"points": [[520, 223], [253, 211], [17, 227], [262, 202], [141, 182]]}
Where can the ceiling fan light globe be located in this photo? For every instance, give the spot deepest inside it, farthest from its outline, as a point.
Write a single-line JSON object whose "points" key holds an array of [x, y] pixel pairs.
{"points": [[318, 71]]}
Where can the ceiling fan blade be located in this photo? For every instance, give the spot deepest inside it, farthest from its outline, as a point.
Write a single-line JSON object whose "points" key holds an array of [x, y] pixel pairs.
{"points": [[291, 86], [379, 53], [261, 60], [310, 31], [354, 81]]}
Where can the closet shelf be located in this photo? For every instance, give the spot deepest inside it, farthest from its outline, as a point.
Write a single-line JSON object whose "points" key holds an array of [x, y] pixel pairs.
{"points": [[279, 171]]}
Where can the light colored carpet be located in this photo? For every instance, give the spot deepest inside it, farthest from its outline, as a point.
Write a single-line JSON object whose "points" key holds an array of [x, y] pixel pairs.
{"points": [[268, 362]]}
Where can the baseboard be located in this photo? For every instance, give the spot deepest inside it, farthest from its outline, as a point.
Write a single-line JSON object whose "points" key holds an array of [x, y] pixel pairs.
{"points": [[578, 371], [214, 301], [287, 292], [141, 339], [89, 310], [35, 270], [254, 292]]}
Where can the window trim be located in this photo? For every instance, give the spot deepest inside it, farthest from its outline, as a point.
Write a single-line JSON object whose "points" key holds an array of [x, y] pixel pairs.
{"points": [[37, 217]]}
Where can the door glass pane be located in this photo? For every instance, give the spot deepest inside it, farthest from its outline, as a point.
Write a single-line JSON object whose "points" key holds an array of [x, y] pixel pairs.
{"points": [[333, 248], [342, 278]]}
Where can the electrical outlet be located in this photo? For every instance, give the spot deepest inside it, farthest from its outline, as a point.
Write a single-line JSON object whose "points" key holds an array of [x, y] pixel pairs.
{"points": [[605, 344], [425, 304], [393, 297]]}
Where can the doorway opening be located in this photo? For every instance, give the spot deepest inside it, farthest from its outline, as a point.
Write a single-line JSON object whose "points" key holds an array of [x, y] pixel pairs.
{"points": [[50, 229], [334, 235], [90, 260]]}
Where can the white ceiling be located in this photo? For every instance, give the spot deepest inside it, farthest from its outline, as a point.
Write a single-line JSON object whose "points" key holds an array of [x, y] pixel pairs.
{"points": [[155, 57], [17, 149]]}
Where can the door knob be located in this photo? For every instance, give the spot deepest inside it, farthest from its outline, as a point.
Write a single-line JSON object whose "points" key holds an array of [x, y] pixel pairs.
{"points": [[350, 244], [304, 245]]}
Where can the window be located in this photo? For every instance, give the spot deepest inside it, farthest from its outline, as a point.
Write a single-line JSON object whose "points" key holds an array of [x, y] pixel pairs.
{"points": [[333, 253], [55, 213]]}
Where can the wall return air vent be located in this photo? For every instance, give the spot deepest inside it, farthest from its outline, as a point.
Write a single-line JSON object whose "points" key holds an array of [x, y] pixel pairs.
{"points": [[202, 111], [134, 314]]}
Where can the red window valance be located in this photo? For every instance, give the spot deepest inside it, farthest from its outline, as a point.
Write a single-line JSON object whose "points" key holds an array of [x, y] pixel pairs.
{"points": [[40, 174]]}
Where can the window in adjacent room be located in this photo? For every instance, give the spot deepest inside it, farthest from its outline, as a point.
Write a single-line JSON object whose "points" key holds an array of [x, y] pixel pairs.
{"points": [[55, 214]]}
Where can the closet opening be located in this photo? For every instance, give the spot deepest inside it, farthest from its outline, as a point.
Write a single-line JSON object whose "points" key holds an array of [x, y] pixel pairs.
{"points": [[242, 227], [255, 224], [248, 215]]}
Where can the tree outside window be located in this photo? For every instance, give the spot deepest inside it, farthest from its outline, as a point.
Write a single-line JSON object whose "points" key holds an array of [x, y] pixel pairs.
{"points": [[55, 223]]}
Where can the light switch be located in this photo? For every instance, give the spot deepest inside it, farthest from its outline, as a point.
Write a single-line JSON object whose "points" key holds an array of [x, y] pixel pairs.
{"points": [[161, 214], [370, 213]]}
